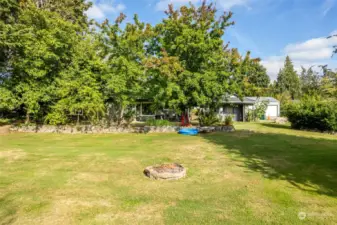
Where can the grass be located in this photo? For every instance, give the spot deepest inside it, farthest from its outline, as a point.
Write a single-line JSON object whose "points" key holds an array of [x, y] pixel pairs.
{"points": [[261, 174]]}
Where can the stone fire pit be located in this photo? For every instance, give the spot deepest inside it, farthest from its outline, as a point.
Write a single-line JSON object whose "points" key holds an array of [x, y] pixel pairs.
{"points": [[172, 171]]}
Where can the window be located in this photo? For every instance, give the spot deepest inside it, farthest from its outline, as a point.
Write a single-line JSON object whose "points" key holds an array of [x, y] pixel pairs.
{"points": [[147, 109]]}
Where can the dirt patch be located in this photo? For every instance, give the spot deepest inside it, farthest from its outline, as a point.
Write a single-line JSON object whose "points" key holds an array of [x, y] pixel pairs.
{"points": [[12, 155], [5, 129]]}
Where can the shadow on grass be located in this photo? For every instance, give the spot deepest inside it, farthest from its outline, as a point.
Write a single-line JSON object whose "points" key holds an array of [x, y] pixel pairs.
{"points": [[7, 211], [274, 125], [307, 163]]}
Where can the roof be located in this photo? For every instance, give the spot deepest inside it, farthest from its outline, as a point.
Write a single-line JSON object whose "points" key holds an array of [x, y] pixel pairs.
{"points": [[270, 99], [247, 100]]}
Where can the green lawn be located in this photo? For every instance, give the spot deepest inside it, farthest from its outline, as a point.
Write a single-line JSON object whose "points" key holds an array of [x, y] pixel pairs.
{"points": [[263, 176]]}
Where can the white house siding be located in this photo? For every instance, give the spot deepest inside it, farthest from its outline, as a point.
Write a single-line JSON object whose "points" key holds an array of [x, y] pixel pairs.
{"points": [[273, 110]]}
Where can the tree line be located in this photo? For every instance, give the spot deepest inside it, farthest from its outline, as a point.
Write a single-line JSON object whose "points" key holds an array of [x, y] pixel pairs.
{"points": [[315, 82], [57, 66]]}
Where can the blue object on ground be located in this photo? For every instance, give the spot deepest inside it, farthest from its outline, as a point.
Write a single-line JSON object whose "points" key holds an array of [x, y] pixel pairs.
{"points": [[188, 131]]}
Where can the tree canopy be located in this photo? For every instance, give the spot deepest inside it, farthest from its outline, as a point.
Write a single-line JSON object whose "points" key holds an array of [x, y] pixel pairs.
{"points": [[189, 62], [59, 67]]}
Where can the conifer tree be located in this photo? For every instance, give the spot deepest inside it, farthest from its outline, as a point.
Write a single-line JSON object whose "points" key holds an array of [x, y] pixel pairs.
{"points": [[288, 80]]}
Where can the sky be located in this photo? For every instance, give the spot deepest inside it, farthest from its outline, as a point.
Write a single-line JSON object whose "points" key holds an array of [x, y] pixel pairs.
{"points": [[270, 29]]}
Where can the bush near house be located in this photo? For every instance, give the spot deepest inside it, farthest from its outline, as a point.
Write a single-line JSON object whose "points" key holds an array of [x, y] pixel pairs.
{"points": [[207, 118], [257, 112], [313, 114], [228, 120], [4, 121]]}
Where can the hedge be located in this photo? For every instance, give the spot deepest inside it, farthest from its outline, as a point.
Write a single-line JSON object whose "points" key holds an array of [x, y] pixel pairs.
{"points": [[313, 114]]}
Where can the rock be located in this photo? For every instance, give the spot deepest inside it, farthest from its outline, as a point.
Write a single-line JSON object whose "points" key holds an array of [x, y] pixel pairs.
{"points": [[216, 128], [163, 129], [229, 128], [207, 129], [281, 120], [171, 171]]}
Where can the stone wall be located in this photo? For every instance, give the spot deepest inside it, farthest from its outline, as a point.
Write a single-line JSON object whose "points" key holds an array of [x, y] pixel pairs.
{"points": [[216, 129], [91, 129]]}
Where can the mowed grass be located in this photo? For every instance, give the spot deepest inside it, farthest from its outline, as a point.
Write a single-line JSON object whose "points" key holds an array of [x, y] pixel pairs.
{"points": [[266, 175]]}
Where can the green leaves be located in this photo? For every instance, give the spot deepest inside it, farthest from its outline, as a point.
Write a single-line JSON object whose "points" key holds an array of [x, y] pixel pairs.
{"points": [[123, 50], [7, 99], [189, 65], [288, 80]]}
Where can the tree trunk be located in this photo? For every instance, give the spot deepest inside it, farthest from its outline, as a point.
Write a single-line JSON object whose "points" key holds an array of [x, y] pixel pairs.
{"points": [[120, 117], [78, 119], [188, 119], [27, 118]]}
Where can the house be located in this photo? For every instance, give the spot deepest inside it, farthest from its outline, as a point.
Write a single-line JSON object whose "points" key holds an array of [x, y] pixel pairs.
{"points": [[238, 108], [231, 105], [144, 111]]}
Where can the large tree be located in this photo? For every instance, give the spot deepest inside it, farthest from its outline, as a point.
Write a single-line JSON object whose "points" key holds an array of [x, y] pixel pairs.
{"points": [[288, 80], [123, 50], [190, 62], [77, 89], [329, 83], [254, 76], [70, 10], [39, 47], [310, 82]]}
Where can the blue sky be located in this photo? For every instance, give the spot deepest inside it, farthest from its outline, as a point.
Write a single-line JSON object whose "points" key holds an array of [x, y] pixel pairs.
{"points": [[270, 29]]}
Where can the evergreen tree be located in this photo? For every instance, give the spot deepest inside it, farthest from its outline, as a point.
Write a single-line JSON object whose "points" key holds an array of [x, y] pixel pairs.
{"points": [[40, 44], [329, 83], [288, 80], [254, 77], [77, 90], [310, 82]]}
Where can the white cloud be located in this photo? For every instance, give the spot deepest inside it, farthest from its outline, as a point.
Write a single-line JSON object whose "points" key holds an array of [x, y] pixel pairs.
{"points": [[109, 8], [333, 33], [224, 4], [100, 10], [94, 12], [317, 51], [327, 6], [312, 44]]}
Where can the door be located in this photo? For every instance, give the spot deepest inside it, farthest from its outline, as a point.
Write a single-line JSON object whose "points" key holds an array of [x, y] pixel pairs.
{"points": [[237, 111], [271, 111]]}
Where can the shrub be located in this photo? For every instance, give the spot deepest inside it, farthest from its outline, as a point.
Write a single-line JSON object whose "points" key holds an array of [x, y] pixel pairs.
{"points": [[4, 121], [228, 120], [313, 114], [129, 116], [207, 118], [257, 112], [158, 123]]}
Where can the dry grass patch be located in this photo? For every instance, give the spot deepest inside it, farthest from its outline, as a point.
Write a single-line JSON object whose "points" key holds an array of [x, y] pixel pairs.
{"points": [[143, 214], [12, 155], [90, 177]]}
